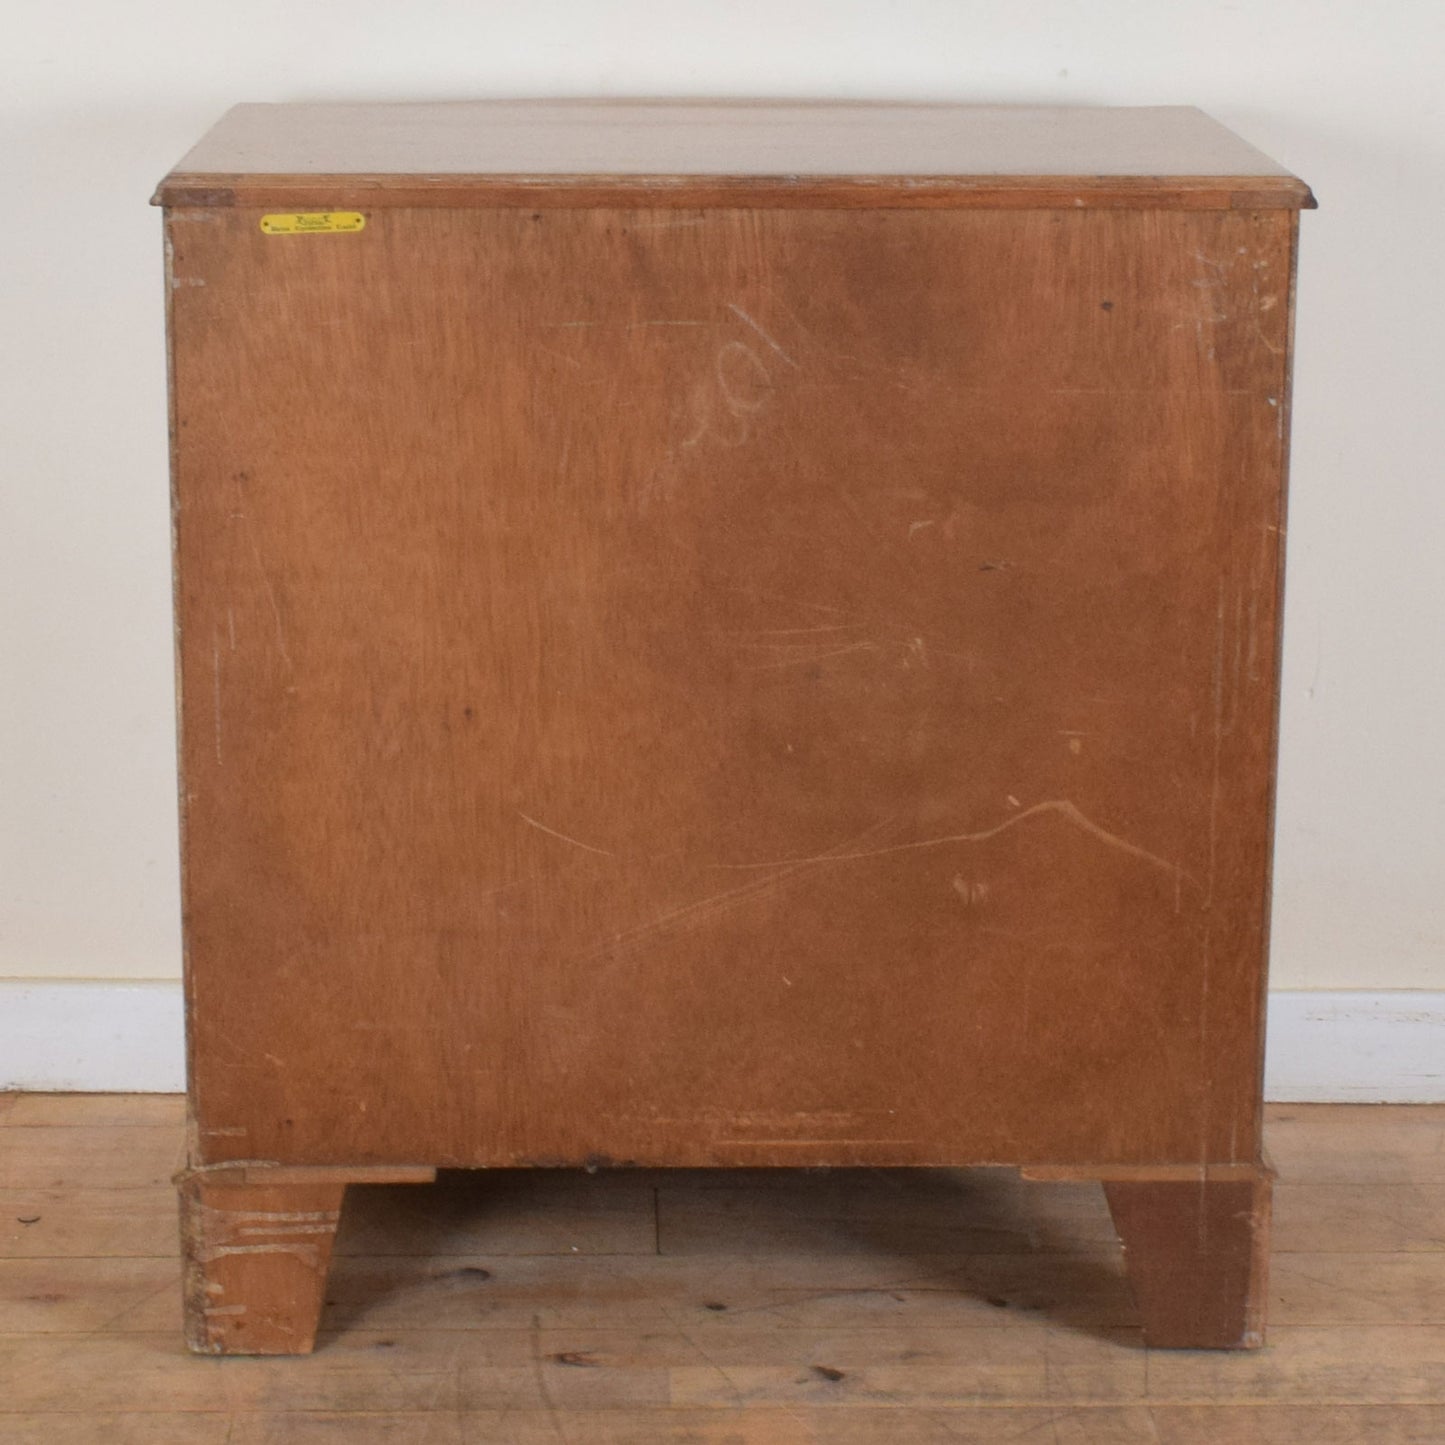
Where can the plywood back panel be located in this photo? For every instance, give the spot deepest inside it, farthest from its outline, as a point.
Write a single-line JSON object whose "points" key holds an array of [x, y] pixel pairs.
{"points": [[729, 687]]}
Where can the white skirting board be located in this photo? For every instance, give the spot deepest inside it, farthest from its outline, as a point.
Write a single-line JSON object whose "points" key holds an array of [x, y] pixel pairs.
{"points": [[1356, 1048], [91, 1036]]}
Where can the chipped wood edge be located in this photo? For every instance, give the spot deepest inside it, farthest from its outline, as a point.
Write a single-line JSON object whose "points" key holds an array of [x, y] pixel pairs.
{"points": [[263, 1172], [255, 1261]]}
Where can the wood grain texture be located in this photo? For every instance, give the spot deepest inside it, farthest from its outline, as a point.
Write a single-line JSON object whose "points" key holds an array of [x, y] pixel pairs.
{"points": [[810, 1425], [540, 1345], [741, 153], [1372, 1144], [67, 1222], [1198, 1259], [93, 1111], [730, 688]]}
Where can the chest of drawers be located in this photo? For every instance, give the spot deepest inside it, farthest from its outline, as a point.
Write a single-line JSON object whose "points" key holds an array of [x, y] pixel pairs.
{"points": [[726, 635]]}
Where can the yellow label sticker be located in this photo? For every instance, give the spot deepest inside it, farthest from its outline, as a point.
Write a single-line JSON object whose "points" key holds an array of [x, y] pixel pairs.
{"points": [[312, 223]]}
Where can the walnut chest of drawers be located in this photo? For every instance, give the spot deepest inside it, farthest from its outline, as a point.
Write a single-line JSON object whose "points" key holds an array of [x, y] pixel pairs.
{"points": [[726, 635]]}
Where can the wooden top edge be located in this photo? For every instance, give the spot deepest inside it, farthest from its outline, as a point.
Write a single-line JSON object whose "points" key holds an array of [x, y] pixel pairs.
{"points": [[745, 151], [591, 191]]}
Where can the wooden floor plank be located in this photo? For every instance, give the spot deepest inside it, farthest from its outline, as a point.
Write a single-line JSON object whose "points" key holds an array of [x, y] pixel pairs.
{"points": [[979, 1425], [1354, 1120], [137, 1373], [1358, 1218], [835, 1425], [1300, 1425], [1304, 1364], [488, 1370], [1348, 1289], [162, 1428], [1357, 1143], [88, 1223], [108, 1111], [844, 1307], [89, 1296], [85, 1156]]}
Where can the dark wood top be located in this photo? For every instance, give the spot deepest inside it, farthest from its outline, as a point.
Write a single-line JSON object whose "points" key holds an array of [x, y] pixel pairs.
{"points": [[583, 153]]}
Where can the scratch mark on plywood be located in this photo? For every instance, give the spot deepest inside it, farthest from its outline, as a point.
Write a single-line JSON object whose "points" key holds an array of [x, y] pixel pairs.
{"points": [[911, 641], [565, 838], [688, 913], [773, 1141], [788, 632], [216, 701], [270, 597], [760, 596], [624, 325], [1251, 654], [1215, 769], [702, 909], [1269, 345], [767, 339], [1206, 961], [667, 222], [739, 405], [809, 657], [1060, 806]]}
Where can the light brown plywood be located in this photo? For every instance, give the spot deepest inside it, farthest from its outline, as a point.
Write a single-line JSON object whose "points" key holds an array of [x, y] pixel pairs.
{"points": [[635, 769]]}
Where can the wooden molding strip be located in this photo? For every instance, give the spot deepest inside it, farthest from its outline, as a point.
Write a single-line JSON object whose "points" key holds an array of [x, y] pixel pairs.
{"points": [[1146, 1173], [336, 192]]}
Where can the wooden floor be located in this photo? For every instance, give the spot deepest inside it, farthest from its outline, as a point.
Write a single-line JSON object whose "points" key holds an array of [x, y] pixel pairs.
{"points": [[752, 1308]]}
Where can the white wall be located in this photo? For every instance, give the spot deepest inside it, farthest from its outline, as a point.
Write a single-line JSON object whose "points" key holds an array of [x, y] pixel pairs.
{"points": [[98, 99]]}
